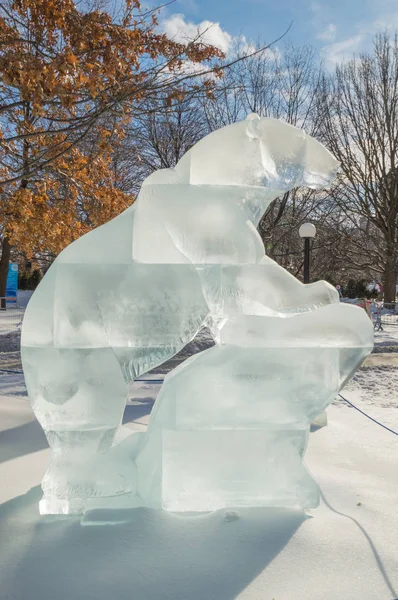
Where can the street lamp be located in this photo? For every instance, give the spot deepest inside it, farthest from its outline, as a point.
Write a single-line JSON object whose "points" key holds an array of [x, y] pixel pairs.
{"points": [[307, 231]]}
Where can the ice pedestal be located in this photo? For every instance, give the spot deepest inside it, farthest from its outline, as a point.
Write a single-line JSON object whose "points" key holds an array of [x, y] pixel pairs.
{"points": [[208, 470]]}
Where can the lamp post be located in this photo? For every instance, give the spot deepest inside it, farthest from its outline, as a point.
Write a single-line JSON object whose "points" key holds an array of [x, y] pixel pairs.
{"points": [[307, 232]]}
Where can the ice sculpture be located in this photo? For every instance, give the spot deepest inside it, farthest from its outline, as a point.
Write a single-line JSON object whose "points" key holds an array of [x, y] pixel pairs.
{"points": [[230, 425]]}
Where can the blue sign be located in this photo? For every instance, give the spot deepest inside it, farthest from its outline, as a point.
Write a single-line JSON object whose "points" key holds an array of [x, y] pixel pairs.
{"points": [[12, 282]]}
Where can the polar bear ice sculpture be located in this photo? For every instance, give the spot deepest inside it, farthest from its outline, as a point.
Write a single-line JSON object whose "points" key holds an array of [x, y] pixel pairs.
{"points": [[230, 425]]}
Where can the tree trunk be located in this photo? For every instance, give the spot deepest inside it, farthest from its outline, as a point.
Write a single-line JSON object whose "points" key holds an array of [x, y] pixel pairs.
{"points": [[390, 276], [4, 262]]}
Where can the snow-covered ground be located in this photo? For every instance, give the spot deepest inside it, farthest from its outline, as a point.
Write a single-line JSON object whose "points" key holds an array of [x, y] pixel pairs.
{"points": [[375, 386], [346, 549], [11, 321], [387, 337]]}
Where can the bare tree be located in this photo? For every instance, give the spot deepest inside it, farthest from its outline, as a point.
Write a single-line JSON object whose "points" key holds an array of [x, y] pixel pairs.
{"points": [[359, 121], [282, 84], [163, 136]]}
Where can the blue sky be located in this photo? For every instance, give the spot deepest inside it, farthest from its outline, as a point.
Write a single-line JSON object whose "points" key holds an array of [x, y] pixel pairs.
{"points": [[337, 28]]}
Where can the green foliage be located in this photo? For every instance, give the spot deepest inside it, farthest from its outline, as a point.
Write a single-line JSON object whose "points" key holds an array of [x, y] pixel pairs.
{"points": [[29, 281], [358, 289]]}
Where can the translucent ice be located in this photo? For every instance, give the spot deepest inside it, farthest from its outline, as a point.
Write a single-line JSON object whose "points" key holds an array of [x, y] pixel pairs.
{"points": [[230, 425]]}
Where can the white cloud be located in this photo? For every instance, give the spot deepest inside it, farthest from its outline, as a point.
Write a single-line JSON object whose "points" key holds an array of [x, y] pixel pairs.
{"points": [[315, 7], [328, 34], [325, 29], [178, 29], [244, 45], [340, 51], [189, 67], [380, 16], [385, 22]]}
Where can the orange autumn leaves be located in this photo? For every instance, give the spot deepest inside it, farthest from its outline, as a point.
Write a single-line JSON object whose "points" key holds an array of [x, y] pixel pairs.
{"points": [[78, 192], [68, 56], [69, 81]]}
